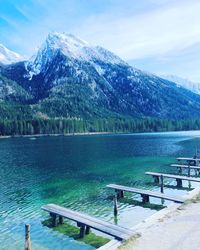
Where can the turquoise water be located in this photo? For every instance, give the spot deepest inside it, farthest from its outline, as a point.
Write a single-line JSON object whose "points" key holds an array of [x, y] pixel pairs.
{"points": [[73, 171]]}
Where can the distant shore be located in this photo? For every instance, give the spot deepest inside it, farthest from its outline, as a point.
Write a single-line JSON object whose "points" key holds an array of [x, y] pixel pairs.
{"points": [[94, 133], [5, 136], [45, 135]]}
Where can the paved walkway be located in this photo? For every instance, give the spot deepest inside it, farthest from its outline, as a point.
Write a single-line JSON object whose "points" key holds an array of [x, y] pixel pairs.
{"points": [[179, 230]]}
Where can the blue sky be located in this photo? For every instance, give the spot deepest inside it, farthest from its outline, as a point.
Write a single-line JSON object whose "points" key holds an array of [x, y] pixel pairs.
{"points": [[159, 36]]}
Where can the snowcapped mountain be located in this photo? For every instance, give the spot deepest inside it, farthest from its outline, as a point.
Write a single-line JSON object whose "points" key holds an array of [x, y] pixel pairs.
{"points": [[69, 46], [192, 86], [70, 78], [7, 56]]}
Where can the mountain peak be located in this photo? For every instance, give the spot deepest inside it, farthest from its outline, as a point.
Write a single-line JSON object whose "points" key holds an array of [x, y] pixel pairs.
{"points": [[71, 47], [65, 39], [8, 56], [76, 48], [68, 44]]}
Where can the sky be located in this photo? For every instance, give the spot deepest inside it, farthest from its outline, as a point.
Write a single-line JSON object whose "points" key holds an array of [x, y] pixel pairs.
{"points": [[158, 36]]}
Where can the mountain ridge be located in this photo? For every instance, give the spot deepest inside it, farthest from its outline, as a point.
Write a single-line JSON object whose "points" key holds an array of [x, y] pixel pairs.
{"points": [[8, 56], [183, 82], [72, 79]]}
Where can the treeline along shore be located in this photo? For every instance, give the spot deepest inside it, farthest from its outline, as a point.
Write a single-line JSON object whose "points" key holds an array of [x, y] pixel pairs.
{"points": [[113, 125]]}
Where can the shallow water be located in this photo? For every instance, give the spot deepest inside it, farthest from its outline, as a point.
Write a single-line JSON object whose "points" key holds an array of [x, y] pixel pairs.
{"points": [[73, 171]]}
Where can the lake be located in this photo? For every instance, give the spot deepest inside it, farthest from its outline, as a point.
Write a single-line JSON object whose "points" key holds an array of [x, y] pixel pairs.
{"points": [[73, 171]]}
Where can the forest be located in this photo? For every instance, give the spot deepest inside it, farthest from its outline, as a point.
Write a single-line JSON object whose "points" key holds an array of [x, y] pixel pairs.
{"points": [[112, 125]]}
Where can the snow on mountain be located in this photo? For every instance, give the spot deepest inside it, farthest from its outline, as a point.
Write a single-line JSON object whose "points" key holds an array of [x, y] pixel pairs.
{"points": [[68, 77], [192, 86], [7, 56], [71, 47]]}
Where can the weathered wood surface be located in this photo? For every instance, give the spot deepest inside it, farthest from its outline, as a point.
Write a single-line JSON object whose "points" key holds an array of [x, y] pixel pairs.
{"points": [[187, 159], [27, 237], [146, 192], [181, 177], [184, 166], [118, 232]]}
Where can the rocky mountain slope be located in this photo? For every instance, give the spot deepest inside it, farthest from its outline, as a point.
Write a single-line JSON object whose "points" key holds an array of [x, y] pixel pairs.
{"points": [[70, 78], [185, 83]]}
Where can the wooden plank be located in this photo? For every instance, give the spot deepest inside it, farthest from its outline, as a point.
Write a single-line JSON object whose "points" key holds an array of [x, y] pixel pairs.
{"points": [[146, 192], [102, 226], [174, 176], [187, 159], [183, 166], [27, 237]]}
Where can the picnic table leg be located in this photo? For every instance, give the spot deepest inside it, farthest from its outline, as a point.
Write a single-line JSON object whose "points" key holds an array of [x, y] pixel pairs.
{"points": [[87, 230], [179, 170], [54, 219], [120, 194], [61, 220], [179, 182], [162, 184], [145, 198], [115, 206], [156, 179], [82, 231], [189, 169]]}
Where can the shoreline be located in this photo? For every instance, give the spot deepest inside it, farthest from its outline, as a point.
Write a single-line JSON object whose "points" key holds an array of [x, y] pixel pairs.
{"points": [[153, 221], [52, 135], [96, 133]]}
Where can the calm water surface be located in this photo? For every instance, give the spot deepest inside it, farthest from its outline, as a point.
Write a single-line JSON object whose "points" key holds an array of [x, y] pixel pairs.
{"points": [[73, 171]]}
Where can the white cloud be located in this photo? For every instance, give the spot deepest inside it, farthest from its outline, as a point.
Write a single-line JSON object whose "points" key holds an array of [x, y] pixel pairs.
{"points": [[170, 25], [156, 30], [153, 33]]}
